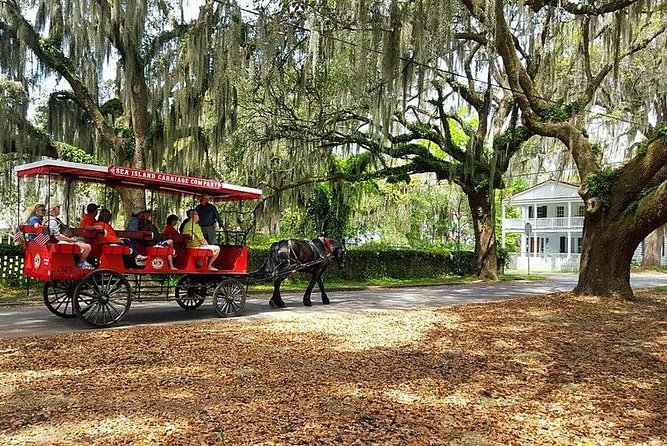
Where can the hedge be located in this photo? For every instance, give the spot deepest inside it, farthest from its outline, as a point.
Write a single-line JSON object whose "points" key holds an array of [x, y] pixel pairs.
{"points": [[360, 264], [363, 264]]}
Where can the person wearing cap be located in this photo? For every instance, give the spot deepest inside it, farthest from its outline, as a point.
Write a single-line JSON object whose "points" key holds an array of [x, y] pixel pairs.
{"points": [[133, 222], [63, 234], [208, 217], [89, 219]]}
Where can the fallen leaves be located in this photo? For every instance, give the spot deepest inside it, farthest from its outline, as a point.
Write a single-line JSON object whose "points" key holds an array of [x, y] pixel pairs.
{"points": [[558, 369]]}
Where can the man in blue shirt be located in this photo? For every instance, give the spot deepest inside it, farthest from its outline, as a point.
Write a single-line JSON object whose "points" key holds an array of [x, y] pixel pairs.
{"points": [[133, 222], [208, 217]]}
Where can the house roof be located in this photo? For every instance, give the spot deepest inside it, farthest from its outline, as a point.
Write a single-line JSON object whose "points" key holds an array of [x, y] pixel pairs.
{"points": [[550, 190]]}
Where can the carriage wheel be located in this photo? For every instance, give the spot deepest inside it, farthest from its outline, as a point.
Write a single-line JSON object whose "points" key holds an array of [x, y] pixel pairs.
{"points": [[102, 298], [58, 297], [229, 298], [191, 293]]}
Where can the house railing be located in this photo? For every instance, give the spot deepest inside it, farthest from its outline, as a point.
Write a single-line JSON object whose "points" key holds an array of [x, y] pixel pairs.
{"points": [[518, 224]]}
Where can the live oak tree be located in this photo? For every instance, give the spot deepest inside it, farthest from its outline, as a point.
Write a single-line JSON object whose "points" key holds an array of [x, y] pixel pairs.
{"points": [[623, 204], [171, 73], [396, 103]]}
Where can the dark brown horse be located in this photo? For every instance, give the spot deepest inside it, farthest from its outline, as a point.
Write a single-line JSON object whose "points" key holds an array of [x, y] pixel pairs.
{"points": [[308, 256]]}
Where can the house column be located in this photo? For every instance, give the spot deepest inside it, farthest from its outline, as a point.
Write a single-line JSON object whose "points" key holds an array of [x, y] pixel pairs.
{"points": [[534, 215], [569, 244], [523, 245], [535, 247], [569, 217]]}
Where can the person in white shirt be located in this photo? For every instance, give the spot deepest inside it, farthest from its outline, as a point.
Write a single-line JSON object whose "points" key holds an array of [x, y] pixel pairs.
{"points": [[63, 234]]}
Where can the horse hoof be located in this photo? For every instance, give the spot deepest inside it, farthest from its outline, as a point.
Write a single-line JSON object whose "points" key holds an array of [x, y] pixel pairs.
{"points": [[307, 303], [272, 305], [326, 302]]}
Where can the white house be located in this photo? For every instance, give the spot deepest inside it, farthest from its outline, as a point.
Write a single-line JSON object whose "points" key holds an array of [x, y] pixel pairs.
{"points": [[555, 212]]}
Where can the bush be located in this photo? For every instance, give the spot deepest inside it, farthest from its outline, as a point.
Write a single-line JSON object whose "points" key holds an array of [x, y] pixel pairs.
{"points": [[10, 250], [378, 263]]}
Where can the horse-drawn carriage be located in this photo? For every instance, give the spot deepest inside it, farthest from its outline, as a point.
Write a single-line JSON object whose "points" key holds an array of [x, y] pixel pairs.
{"points": [[102, 296]]}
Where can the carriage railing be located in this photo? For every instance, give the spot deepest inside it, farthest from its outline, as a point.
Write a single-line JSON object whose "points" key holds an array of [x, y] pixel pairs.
{"points": [[231, 238]]}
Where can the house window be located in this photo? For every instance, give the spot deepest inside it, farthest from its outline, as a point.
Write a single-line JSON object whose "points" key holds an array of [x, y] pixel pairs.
{"points": [[578, 245], [530, 212], [563, 245], [581, 210], [560, 211], [541, 212]]}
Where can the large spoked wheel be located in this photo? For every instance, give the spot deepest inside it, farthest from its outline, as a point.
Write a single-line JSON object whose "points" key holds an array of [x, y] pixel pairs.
{"points": [[58, 297], [229, 298], [191, 293], [102, 298]]}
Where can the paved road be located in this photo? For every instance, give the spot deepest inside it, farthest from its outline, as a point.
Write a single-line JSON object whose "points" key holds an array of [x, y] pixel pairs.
{"points": [[38, 321]]}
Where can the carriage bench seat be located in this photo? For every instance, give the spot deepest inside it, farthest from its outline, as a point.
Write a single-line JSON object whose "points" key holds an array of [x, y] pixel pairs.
{"points": [[158, 251], [30, 229], [64, 248], [87, 233], [197, 259], [116, 249], [197, 252]]}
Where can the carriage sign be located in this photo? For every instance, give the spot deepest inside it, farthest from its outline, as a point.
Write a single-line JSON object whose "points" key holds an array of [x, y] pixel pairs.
{"points": [[167, 179]]}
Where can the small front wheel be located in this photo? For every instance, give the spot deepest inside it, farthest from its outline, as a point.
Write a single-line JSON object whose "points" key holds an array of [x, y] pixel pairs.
{"points": [[58, 297], [191, 292], [229, 298], [102, 298]]}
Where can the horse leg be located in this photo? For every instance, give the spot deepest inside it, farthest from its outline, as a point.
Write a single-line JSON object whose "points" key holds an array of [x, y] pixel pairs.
{"points": [[309, 289], [276, 301], [320, 284]]}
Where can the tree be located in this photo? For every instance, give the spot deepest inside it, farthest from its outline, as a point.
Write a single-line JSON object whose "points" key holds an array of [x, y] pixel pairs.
{"points": [[392, 104], [170, 72], [625, 204]]}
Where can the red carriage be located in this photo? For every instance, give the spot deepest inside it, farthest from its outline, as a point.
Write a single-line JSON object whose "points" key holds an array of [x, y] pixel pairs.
{"points": [[102, 296]]}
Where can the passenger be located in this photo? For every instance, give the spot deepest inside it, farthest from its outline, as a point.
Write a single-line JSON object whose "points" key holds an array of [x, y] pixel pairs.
{"points": [[109, 235], [170, 230], [187, 221], [146, 224], [89, 220], [36, 218], [133, 222], [198, 241], [208, 217], [63, 233]]}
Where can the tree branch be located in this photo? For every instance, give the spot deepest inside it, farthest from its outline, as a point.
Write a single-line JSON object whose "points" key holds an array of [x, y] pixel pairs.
{"points": [[53, 58]]}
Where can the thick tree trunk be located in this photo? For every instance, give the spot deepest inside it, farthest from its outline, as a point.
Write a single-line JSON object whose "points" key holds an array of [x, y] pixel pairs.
{"points": [[607, 250], [481, 210], [652, 253]]}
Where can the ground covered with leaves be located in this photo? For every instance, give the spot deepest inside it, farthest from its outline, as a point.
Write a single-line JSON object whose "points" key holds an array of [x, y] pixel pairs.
{"points": [[557, 369]]}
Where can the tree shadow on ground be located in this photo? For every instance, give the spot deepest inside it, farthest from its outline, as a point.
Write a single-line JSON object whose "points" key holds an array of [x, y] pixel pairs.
{"points": [[555, 369]]}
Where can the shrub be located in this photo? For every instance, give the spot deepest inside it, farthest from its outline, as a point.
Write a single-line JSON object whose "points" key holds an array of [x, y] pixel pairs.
{"points": [[377, 263]]}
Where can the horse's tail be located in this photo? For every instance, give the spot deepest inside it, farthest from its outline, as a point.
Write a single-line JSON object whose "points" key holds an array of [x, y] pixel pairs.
{"points": [[273, 261]]}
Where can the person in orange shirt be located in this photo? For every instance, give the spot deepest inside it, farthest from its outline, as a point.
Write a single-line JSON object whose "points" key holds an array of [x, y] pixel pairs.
{"points": [[89, 219], [109, 234]]}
